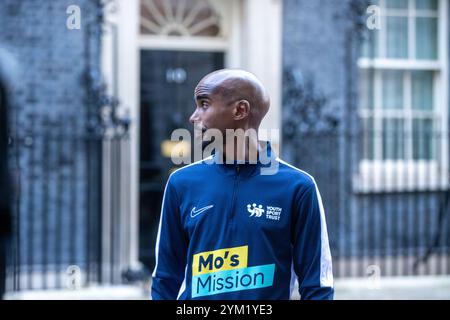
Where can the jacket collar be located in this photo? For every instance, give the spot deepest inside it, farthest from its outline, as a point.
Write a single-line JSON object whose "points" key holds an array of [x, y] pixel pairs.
{"points": [[245, 168]]}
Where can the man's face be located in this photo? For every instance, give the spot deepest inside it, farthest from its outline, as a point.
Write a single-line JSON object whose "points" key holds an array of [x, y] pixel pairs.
{"points": [[211, 110]]}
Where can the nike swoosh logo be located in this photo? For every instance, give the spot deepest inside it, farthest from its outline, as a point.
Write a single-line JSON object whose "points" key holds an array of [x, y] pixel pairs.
{"points": [[195, 213]]}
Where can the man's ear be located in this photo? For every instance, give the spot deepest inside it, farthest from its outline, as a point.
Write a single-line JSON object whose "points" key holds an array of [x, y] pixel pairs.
{"points": [[241, 109]]}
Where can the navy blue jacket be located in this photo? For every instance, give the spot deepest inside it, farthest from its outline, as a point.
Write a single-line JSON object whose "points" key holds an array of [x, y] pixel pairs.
{"points": [[231, 231]]}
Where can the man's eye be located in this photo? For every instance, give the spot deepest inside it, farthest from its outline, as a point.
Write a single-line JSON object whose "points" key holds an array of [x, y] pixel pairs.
{"points": [[204, 104]]}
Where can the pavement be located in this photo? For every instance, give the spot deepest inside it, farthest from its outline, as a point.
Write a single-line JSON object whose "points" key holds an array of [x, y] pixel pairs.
{"points": [[386, 288], [394, 288]]}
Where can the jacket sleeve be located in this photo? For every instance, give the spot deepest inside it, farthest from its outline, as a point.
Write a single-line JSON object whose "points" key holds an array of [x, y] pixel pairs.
{"points": [[311, 250], [170, 251]]}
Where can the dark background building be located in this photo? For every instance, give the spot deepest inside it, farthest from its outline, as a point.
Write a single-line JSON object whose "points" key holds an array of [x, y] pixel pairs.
{"points": [[359, 94]]}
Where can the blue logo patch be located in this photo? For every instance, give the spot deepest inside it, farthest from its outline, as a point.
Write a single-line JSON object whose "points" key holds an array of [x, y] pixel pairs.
{"points": [[233, 280]]}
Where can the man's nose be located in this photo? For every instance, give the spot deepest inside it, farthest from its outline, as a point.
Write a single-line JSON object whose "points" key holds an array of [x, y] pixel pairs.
{"points": [[194, 117]]}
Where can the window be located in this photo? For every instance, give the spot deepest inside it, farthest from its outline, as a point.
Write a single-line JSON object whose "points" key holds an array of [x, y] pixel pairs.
{"points": [[409, 30], [403, 97], [179, 18]]}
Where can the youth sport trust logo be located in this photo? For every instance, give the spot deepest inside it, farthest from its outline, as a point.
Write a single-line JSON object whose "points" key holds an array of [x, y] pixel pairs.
{"points": [[226, 270], [256, 211], [272, 213]]}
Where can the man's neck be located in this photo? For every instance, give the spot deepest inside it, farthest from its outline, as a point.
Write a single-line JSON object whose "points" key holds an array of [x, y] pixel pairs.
{"points": [[242, 151]]}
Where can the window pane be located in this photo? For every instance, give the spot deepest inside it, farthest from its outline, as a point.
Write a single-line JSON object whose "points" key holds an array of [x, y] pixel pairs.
{"points": [[366, 89], [397, 4], [392, 83], [426, 38], [368, 138], [393, 139], [422, 90], [397, 37], [423, 140], [426, 4]]}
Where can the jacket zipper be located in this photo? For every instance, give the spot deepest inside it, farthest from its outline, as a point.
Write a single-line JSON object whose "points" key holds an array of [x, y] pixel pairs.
{"points": [[233, 201]]}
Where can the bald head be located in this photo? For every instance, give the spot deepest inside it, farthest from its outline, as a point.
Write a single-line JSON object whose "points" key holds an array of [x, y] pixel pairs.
{"points": [[234, 86]]}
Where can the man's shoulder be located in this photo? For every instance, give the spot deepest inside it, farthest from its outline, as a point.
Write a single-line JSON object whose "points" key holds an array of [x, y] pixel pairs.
{"points": [[293, 173], [190, 171]]}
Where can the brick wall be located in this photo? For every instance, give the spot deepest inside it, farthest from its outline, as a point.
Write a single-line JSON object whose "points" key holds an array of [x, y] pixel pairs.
{"points": [[49, 125]]}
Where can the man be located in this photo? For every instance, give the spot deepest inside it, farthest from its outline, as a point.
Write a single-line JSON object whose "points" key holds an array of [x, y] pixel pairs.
{"points": [[228, 231]]}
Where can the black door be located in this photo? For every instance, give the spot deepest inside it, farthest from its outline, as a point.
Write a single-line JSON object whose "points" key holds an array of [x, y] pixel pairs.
{"points": [[168, 79]]}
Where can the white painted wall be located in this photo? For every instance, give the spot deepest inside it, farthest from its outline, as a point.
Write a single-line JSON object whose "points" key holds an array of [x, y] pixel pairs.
{"points": [[126, 16], [261, 50]]}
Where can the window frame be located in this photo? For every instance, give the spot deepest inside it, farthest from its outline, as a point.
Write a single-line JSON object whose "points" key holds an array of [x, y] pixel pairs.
{"points": [[378, 175]]}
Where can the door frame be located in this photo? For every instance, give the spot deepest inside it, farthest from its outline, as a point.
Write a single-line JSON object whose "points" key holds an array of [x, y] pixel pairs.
{"points": [[253, 42]]}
